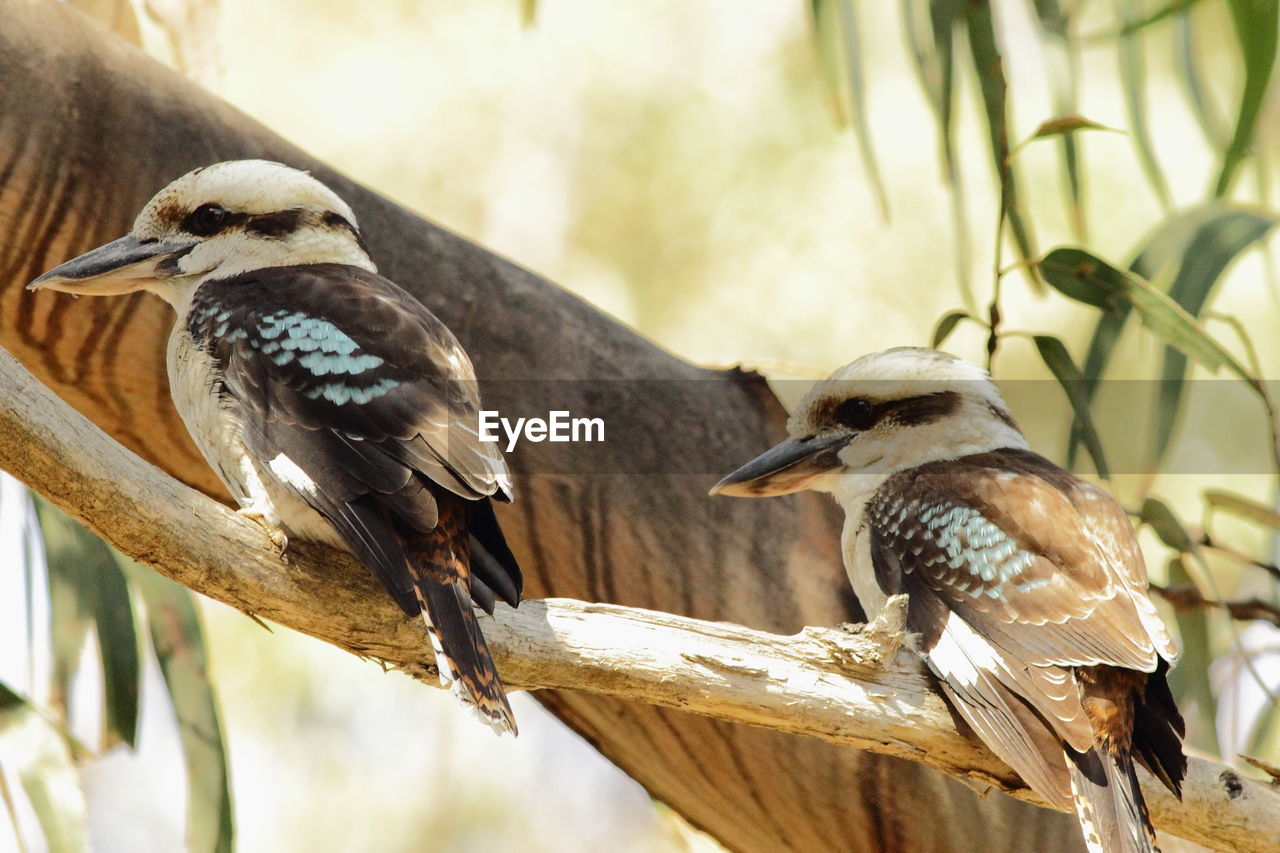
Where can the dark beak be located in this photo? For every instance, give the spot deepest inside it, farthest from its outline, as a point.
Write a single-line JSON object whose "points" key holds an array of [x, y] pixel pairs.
{"points": [[121, 266], [789, 467]]}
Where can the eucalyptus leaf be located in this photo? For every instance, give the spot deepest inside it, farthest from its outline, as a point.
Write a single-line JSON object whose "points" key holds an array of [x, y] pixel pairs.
{"points": [[72, 599], [87, 586], [11, 810], [1085, 278], [1055, 356], [858, 102], [1266, 730], [830, 53], [934, 55], [946, 17], [1195, 86], [1157, 515], [1089, 279], [1066, 125], [836, 27], [1106, 334], [1214, 246], [1195, 247], [1256, 24], [41, 757], [1187, 679], [984, 47], [1062, 61], [947, 325], [1133, 75], [528, 12], [1174, 7], [178, 641], [1242, 507]]}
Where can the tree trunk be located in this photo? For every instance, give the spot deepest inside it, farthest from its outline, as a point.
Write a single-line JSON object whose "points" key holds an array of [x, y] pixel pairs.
{"points": [[90, 129]]}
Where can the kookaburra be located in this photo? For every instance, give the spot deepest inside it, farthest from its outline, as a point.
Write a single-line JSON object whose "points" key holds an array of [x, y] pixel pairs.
{"points": [[1026, 587], [334, 406]]}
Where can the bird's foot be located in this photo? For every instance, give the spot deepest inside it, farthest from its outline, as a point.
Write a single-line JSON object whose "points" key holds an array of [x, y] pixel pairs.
{"points": [[889, 627], [275, 534]]}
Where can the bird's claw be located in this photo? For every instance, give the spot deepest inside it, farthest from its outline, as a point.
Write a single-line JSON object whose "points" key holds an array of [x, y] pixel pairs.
{"points": [[889, 628], [275, 534]]}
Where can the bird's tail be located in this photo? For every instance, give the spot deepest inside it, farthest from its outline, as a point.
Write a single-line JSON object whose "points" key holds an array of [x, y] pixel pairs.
{"points": [[440, 565], [1108, 801], [462, 655]]}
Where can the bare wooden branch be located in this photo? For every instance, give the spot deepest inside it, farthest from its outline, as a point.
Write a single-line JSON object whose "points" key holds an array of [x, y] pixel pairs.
{"points": [[849, 687]]}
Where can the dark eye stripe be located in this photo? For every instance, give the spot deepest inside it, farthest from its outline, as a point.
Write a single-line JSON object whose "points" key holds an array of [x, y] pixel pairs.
{"points": [[862, 414], [278, 224], [926, 408]]}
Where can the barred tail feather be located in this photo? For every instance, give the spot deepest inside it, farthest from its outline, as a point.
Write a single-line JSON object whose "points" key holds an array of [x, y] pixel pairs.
{"points": [[462, 655], [1109, 803]]}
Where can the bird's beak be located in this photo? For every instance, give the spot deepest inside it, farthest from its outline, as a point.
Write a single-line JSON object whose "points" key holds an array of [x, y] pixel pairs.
{"points": [[789, 467], [121, 266]]}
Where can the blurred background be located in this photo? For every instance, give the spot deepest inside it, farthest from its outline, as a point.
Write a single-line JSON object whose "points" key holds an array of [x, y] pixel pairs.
{"points": [[764, 182]]}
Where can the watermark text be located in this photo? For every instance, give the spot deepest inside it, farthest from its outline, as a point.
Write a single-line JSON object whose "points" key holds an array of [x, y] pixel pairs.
{"points": [[558, 426]]}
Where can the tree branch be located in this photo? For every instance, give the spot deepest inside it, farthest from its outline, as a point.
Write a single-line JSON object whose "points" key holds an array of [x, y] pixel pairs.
{"points": [[857, 689]]}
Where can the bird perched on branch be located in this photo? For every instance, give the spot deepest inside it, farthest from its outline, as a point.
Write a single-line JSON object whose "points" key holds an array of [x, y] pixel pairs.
{"points": [[1025, 585], [334, 406]]}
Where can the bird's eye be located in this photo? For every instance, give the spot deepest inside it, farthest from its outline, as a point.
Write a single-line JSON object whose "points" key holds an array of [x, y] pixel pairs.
{"points": [[206, 220], [857, 413]]}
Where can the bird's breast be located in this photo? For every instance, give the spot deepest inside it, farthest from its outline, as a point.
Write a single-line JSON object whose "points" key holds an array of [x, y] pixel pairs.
{"points": [[213, 417], [209, 416], [855, 547]]}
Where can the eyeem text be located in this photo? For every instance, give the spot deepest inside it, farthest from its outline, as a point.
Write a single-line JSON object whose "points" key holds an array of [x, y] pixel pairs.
{"points": [[557, 426]]}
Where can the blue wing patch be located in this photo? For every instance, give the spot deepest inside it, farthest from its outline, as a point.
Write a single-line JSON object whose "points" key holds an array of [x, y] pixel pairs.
{"points": [[955, 543], [323, 360]]}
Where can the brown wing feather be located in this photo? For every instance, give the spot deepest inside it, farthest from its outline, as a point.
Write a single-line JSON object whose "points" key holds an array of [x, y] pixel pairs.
{"points": [[1028, 591], [1053, 591]]}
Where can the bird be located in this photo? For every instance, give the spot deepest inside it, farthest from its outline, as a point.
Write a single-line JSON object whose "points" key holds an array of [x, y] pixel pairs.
{"points": [[1026, 588], [334, 406]]}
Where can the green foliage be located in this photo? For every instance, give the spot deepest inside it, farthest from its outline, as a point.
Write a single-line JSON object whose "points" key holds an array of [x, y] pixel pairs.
{"points": [[1243, 507], [88, 591], [1091, 280], [947, 324], [836, 25], [40, 754], [178, 641], [91, 589], [1256, 23], [1055, 356]]}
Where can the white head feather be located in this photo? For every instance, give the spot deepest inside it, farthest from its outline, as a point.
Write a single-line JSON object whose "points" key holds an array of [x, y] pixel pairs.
{"points": [[324, 226], [931, 405]]}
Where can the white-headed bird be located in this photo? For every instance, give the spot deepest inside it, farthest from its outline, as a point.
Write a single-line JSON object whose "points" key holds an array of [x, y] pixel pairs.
{"points": [[1026, 586], [334, 406]]}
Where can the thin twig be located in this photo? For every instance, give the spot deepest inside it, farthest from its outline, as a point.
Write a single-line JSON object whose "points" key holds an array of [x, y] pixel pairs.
{"points": [[1239, 556], [1187, 596]]}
